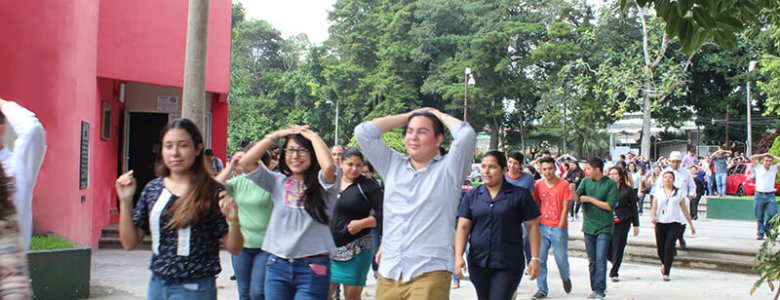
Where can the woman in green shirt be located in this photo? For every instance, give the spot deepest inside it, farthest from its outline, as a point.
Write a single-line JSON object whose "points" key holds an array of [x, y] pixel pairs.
{"points": [[254, 212]]}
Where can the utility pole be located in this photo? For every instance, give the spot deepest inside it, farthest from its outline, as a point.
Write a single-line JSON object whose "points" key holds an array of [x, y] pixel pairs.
{"points": [[194, 94], [749, 146]]}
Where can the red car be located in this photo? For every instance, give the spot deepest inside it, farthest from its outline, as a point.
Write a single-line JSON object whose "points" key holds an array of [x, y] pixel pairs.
{"points": [[737, 182]]}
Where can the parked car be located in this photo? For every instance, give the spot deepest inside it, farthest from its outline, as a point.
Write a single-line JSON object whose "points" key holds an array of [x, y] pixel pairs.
{"points": [[739, 182]]}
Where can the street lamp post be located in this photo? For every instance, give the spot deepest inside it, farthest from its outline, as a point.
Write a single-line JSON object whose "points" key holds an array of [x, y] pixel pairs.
{"points": [[336, 133], [467, 81], [749, 146]]}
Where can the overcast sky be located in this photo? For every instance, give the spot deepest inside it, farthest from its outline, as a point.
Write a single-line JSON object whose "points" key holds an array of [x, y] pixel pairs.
{"points": [[292, 17]]}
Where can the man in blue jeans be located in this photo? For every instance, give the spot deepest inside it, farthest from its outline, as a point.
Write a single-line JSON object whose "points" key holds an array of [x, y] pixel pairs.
{"points": [[552, 196], [764, 200], [720, 161], [598, 194]]}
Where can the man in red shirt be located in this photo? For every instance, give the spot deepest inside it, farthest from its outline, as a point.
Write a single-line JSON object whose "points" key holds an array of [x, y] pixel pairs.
{"points": [[552, 195]]}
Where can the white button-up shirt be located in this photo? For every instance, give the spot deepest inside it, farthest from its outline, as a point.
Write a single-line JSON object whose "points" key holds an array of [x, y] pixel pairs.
{"points": [[419, 205], [24, 162]]}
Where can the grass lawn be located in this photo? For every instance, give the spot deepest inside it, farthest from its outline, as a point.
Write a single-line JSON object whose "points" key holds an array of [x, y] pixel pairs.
{"points": [[50, 242]]}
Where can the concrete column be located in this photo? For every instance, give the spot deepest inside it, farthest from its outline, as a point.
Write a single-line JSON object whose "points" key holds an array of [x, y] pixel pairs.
{"points": [[194, 95]]}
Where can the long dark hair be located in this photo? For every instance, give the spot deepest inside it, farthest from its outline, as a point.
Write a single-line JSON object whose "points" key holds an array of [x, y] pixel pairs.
{"points": [[6, 191], [314, 200], [200, 199], [623, 181]]}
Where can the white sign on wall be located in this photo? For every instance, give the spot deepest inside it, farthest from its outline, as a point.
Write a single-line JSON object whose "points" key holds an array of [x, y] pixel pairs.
{"points": [[167, 103]]}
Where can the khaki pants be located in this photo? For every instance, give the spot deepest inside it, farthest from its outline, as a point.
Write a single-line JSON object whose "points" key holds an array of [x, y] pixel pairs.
{"points": [[433, 285]]}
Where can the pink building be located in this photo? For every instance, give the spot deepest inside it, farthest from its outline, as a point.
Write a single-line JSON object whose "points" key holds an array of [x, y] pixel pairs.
{"points": [[115, 69]]}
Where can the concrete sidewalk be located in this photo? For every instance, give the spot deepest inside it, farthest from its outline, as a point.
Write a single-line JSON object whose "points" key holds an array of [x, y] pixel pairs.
{"points": [[117, 274]]}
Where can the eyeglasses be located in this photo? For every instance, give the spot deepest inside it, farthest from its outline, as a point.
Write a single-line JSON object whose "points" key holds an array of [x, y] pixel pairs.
{"points": [[302, 152]]}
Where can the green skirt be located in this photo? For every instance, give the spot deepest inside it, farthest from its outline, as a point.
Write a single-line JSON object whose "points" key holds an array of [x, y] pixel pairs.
{"points": [[352, 272]]}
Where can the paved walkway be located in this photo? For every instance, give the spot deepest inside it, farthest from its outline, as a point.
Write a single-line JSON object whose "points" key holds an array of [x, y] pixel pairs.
{"points": [[710, 233], [118, 274]]}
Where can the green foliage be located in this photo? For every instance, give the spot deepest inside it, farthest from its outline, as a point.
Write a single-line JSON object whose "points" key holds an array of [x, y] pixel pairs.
{"points": [[775, 150], [696, 22], [49, 242], [767, 261]]}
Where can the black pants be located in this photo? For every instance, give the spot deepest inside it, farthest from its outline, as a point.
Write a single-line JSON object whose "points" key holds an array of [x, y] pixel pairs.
{"points": [[574, 208], [618, 246], [695, 206], [666, 235], [495, 284]]}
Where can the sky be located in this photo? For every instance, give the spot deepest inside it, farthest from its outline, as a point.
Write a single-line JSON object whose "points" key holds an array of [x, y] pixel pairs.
{"points": [[292, 17]]}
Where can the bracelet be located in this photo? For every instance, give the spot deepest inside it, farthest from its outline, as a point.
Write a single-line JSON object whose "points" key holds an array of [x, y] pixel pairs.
{"points": [[270, 136], [231, 223], [536, 258]]}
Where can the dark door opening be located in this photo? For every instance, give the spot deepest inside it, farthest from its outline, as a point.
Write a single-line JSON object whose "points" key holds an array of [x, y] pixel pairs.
{"points": [[144, 148]]}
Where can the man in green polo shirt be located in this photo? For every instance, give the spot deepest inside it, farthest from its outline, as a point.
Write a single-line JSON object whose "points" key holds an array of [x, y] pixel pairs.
{"points": [[598, 194]]}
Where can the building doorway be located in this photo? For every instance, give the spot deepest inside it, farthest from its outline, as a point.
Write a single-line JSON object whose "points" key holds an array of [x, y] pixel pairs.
{"points": [[142, 146]]}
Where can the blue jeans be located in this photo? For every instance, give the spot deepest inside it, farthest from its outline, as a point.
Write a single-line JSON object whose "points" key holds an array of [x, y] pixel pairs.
{"points": [[558, 239], [720, 181], [195, 289], [764, 203], [597, 246], [296, 279], [708, 181], [249, 267]]}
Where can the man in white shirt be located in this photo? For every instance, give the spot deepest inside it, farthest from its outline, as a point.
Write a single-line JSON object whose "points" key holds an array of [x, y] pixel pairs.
{"points": [[24, 162], [421, 195], [764, 200]]}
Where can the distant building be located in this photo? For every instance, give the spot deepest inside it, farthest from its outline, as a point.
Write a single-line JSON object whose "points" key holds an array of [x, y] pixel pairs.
{"points": [[626, 135], [112, 70]]}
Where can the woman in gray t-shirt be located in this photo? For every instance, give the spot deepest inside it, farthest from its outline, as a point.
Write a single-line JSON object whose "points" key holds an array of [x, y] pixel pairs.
{"points": [[304, 196]]}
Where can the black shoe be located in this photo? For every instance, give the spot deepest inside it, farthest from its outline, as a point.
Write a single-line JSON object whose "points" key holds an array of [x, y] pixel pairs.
{"points": [[539, 295], [233, 277], [683, 245], [760, 237], [567, 286]]}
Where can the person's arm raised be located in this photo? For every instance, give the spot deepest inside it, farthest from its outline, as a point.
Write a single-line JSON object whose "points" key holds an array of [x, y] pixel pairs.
{"points": [[256, 152], [321, 150], [391, 122]]}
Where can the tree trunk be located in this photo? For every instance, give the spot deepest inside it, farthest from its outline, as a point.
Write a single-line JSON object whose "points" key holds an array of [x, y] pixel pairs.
{"points": [[646, 119], [522, 134], [194, 91]]}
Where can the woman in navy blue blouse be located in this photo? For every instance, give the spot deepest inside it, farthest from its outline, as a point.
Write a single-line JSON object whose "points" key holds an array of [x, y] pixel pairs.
{"points": [[490, 219], [186, 215]]}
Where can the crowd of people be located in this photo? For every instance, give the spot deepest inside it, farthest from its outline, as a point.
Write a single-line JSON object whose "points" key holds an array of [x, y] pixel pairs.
{"points": [[305, 221]]}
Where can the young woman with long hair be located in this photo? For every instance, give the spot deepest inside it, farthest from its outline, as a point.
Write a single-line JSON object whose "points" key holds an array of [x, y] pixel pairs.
{"points": [[15, 283], [304, 195], [254, 212], [625, 214], [669, 213], [186, 215], [358, 210]]}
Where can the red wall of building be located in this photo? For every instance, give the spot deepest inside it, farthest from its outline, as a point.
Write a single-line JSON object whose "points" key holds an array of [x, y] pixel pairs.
{"points": [[148, 46], [47, 54], [63, 59], [219, 127]]}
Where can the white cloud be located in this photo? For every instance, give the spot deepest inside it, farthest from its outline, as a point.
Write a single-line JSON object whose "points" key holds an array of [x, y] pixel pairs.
{"points": [[292, 17]]}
